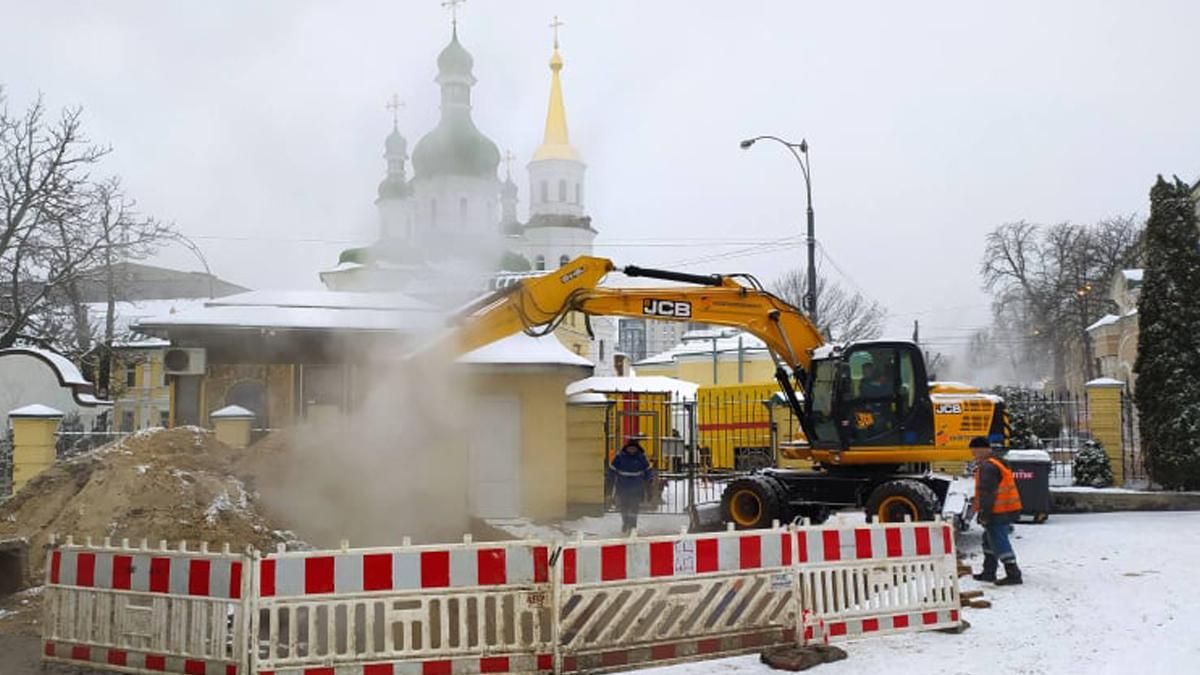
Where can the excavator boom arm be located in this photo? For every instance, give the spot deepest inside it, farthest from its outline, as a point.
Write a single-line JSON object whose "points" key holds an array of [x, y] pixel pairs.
{"points": [[537, 304]]}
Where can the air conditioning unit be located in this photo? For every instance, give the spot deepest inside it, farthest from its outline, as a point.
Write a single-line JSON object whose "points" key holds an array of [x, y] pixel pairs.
{"points": [[184, 361]]}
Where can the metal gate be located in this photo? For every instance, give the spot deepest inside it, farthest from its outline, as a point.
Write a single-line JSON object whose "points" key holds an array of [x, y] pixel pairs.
{"points": [[697, 446]]}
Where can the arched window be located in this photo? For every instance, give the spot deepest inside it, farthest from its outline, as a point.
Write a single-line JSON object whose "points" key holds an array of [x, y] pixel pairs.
{"points": [[562, 190], [579, 193], [545, 192], [433, 212], [539, 263], [563, 260], [463, 211]]}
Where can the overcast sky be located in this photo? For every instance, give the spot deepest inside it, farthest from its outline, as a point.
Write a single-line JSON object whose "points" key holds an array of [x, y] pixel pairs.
{"points": [[257, 127]]}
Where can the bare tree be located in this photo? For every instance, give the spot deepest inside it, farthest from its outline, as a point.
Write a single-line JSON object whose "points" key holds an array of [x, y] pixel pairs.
{"points": [[844, 316], [59, 225], [1049, 284]]}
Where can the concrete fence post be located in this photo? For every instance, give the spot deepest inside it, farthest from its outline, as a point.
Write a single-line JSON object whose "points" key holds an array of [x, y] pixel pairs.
{"points": [[232, 425], [1104, 411], [34, 429]]}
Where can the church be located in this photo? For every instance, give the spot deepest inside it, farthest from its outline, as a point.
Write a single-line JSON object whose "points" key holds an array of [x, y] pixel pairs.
{"points": [[451, 231]]}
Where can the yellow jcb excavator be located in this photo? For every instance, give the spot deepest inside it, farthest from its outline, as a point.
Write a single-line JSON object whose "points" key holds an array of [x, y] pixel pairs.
{"points": [[871, 420]]}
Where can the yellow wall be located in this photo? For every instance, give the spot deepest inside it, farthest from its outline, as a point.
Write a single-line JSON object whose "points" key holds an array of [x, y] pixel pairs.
{"points": [[150, 391], [758, 369], [543, 432], [585, 457], [278, 379], [33, 447], [1104, 410]]}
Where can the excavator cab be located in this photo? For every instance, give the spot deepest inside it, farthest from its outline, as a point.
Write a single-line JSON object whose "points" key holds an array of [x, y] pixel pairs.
{"points": [[870, 394]]}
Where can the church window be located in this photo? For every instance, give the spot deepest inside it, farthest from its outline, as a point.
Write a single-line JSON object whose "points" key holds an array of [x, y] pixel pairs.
{"points": [[539, 263], [563, 260], [545, 192], [433, 212], [602, 350], [463, 210], [562, 190], [579, 193]]}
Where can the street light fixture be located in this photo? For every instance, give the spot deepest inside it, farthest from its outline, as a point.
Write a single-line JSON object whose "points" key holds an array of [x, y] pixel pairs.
{"points": [[800, 152]]}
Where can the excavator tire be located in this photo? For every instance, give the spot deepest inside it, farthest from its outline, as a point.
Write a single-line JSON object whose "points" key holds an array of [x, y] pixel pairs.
{"points": [[894, 500], [752, 502]]}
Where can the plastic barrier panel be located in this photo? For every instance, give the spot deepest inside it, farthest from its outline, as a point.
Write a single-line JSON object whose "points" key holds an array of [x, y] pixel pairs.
{"points": [[523, 607], [863, 580], [145, 611], [465, 608], [629, 602]]}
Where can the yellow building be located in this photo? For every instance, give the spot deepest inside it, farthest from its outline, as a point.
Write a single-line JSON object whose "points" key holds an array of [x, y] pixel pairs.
{"points": [[713, 357]]}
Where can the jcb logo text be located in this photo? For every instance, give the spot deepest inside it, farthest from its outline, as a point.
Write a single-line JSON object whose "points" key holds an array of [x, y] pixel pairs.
{"points": [[676, 309]]}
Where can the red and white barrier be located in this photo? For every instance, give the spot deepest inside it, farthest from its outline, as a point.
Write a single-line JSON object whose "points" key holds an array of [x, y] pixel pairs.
{"points": [[632, 602], [862, 580], [530, 607], [464, 608], [139, 610]]}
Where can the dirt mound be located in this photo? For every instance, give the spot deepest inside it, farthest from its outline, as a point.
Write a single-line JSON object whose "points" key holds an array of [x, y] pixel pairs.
{"points": [[174, 484]]}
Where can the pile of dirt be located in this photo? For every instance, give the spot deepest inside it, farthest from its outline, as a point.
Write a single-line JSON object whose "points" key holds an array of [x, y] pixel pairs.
{"points": [[173, 484]]}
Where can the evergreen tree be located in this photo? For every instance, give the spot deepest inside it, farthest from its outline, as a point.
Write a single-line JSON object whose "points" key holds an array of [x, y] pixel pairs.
{"points": [[1092, 466], [1168, 363]]}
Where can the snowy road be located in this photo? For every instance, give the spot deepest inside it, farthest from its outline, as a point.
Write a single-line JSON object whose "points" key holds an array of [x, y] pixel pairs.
{"points": [[1104, 593]]}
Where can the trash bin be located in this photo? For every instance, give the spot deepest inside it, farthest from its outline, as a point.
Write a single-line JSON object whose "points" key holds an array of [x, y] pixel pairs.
{"points": [[1031, 471]]}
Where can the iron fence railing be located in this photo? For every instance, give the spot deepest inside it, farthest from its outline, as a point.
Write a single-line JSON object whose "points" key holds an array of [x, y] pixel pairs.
{"points": [[6, 466], [72, 443]]}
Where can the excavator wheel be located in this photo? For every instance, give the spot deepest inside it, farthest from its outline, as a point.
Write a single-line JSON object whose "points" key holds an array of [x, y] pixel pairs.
{"points": [[752, 502], [895, 500]]}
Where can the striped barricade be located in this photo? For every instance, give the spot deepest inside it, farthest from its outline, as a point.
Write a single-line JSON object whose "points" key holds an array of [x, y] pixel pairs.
{"points": [[862, 580], [630, 602], [463, 608], [138, 610]]}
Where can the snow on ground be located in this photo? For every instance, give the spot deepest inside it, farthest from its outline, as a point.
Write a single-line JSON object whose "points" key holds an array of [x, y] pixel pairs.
{"points": [[1103, 593], [590, 527]]}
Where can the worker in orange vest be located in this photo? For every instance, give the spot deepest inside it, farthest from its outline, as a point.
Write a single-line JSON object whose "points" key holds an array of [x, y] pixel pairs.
{"points": [[999, 505]]}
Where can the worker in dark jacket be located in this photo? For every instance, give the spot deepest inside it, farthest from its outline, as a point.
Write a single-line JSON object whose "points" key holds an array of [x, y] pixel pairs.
{"points": [[999, 505], [630, 471]]}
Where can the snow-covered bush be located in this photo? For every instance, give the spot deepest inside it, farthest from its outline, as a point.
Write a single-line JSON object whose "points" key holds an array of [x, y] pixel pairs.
{"points": [[1092, 467]]}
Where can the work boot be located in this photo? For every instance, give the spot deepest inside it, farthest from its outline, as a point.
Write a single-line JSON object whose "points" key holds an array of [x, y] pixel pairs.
{"points": [[1012, 575], [989, 569]]}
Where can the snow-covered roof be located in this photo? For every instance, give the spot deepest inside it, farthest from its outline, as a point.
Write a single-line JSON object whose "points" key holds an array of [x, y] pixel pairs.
{"points": [[654, 384], [1106, 320], [527, 350], [1133, 275], [35, 410], [232, 412], [1104, 382], [701, 342], [304, 310], [126, 314], [587, 397]]}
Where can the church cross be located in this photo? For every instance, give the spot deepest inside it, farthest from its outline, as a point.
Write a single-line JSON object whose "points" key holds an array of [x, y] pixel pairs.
{"points": [[508, 158], [452, 5], [554, 26], [395, 104]]}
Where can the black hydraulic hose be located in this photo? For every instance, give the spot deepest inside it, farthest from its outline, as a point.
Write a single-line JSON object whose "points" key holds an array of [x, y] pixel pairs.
{"points": [[668, 275]]}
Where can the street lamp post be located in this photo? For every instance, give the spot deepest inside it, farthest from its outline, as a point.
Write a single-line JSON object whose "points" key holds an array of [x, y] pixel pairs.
{"points": [[800, 152]]}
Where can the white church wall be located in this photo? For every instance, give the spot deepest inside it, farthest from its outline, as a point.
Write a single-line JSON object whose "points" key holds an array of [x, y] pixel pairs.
{"points": [[556, 187], [555, 243]]}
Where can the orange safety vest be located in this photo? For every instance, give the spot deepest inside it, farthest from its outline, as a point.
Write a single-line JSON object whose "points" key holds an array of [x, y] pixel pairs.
{"points": [[1008, 500]]}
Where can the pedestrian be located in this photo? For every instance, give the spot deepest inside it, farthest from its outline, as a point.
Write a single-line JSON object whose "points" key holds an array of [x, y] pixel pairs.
{"points": [[999, 505], [630, 470]]}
